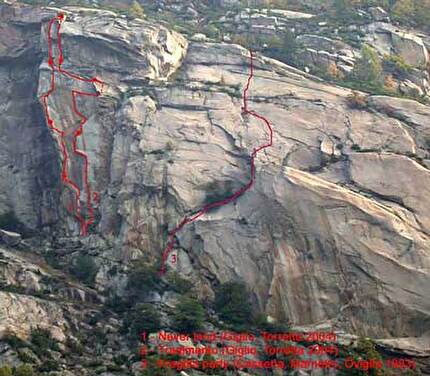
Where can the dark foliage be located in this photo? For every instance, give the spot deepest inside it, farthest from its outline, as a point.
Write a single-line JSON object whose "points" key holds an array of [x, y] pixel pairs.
{"points": [[233, 303], [85, 269], [189, 315]]}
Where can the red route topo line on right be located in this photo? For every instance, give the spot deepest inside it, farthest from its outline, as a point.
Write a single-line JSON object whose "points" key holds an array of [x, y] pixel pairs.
{"points": [[186, 220]]}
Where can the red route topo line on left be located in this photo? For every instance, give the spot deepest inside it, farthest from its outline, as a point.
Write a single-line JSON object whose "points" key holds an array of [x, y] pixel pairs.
{"points": [[84, 223], [186, 220]]}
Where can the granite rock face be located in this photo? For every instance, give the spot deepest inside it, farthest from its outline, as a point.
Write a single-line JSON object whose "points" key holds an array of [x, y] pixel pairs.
{"points": [[387, 39], [336, 228], [19, 314], [25, 143]]}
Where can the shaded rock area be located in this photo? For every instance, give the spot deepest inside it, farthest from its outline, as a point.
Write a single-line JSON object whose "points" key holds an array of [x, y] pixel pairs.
{"points": [[10, 238], [336, 229]]}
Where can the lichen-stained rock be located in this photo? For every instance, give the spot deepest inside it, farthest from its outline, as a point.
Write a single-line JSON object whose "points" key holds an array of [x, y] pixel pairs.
{"points": [[16, 271], [387, 38], [376, 250], [394, 177], [25, 145], [134, 49], [19, 314]]}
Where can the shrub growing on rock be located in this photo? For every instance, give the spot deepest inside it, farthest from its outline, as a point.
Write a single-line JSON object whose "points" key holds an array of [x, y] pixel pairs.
{"points": [[189, 315], [368, 67], [24, 370], [233, 303], [5, 371], [357, 100], [136, 10], [396, 65], [85, 269], [144, 318], [178, 284], [14, 341], [143, 279], [9, 222], [42, 342], [218, 191]]}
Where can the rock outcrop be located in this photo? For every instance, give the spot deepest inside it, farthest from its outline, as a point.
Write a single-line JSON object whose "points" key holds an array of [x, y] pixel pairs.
{"points": [[388, 39]]}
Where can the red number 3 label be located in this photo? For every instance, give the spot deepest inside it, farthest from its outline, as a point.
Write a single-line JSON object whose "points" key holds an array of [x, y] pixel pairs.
{"points": [[174, 259]]}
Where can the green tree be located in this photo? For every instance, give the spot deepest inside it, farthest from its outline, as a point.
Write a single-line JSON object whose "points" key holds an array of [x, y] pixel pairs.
{"points": [[404, 10], [189, 315], [9, 222], [422, 13], [178, 284], [143, 279], [232, 302], [14, 341], [5, 371], [368, 67], [136, 10], [396, 65], [24, 370], [49, 365], [283, 47], [343, 8], [85, 269], [144, 318], [42, 342], [276, 4]]}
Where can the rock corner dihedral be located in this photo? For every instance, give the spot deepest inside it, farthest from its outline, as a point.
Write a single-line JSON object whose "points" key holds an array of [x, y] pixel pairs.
{"points": [[75, 162]]}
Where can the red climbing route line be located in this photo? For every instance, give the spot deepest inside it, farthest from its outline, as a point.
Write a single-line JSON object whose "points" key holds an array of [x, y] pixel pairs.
{"points": [[171, 239], [56, 67]]}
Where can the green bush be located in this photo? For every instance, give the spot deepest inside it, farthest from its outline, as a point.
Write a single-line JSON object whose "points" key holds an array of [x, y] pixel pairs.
{"points": [[85, 269], [368, 67], [9, 222], [143, 279], [365, 349], [5, 371], [260, 321], [178, 284], [49, 366], [75, 346], [117, 304], [344, 9], [396, 65], [218, 191], [152, 369], [24, 370], [136, 10], [233, 303], [283, 47], [189, 315], [120, 359], [404, 10], [212, 32], [144, 318], [14, 341], [42, 342], [52, 259]]}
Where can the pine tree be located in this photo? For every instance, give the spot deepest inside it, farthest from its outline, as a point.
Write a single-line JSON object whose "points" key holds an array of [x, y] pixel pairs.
{"points": [[189, 315], [136, 10], [5, 371], [404, 10], [368, 68]]}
